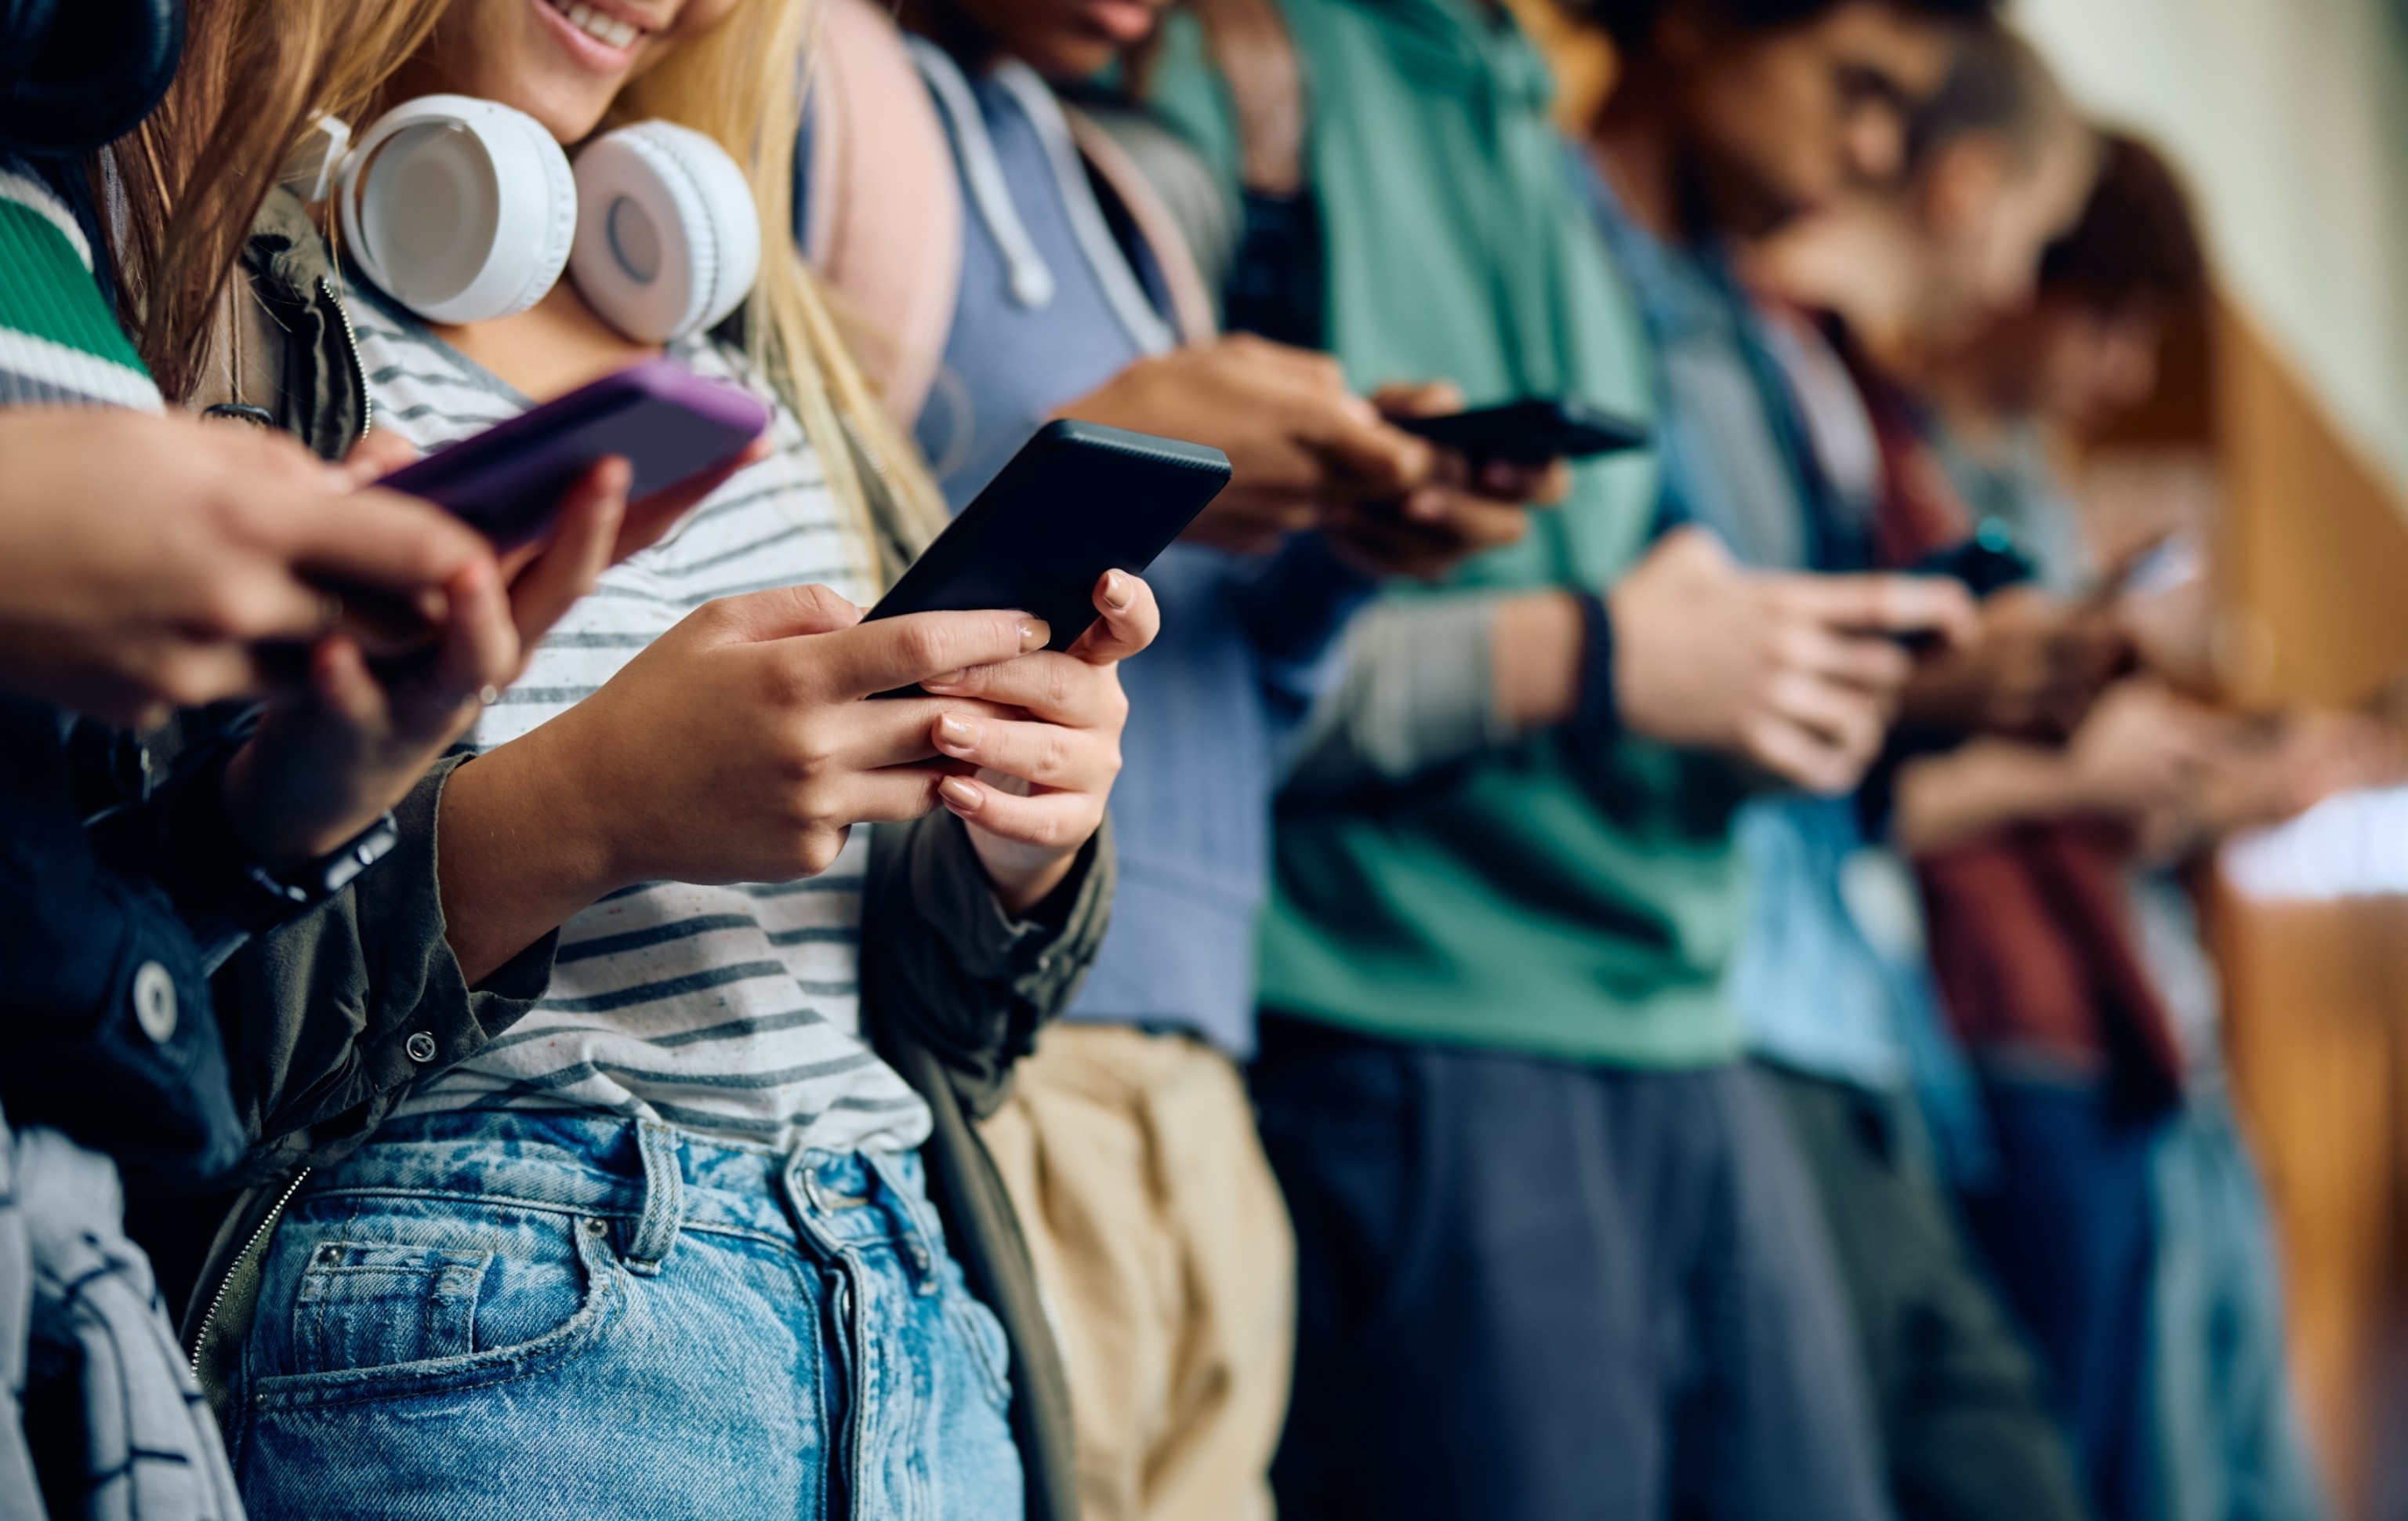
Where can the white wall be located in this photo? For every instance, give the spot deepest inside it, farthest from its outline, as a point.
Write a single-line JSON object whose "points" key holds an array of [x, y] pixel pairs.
{"points": [[2291, 119]]}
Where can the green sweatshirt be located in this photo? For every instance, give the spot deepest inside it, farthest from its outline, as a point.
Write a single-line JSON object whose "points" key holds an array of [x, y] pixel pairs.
{"points": [[1535, 899]]}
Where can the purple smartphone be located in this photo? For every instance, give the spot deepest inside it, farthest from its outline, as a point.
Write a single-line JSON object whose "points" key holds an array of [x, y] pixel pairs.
{"points": [[668, 422]]}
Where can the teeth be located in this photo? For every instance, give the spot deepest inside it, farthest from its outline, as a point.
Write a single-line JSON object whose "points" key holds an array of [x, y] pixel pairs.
{"points": [[604, 29]]}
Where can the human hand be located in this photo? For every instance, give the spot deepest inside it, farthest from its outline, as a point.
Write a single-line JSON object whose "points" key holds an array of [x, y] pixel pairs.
{"points": [[738, 746], [2141, 750], [331, 756], [1039, 771], [1796, 673], [1293, 431], [154, 563], [2036, 668], [355, 736], [1458, 511]]}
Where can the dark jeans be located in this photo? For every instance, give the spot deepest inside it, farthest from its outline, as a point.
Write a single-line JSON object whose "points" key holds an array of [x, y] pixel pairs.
{"points": [[2068, 1228], [1967, 1429], [1534, 1291]]}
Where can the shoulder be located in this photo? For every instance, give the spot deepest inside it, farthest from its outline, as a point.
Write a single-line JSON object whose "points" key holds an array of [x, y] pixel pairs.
{"points": [[60, 342]]}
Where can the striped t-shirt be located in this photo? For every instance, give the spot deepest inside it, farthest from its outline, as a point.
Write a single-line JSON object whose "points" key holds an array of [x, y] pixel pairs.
{"points": [[733, 1011]]}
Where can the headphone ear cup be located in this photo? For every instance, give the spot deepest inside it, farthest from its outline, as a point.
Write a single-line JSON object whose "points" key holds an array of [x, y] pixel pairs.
{"points": [[78, 73], [668, 241], [462, 209]]}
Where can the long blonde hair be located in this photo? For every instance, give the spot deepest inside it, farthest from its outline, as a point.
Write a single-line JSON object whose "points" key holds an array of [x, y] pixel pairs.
{"points": [[259, 72], [741, 83]]}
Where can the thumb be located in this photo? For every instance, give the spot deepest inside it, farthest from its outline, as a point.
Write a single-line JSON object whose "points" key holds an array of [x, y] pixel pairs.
{"points": [[780, 613], [1373, 457], [1422, 398]]}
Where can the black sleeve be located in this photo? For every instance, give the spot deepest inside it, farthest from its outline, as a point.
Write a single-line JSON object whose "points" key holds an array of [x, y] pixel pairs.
{"points": [[330, 1018], [945, 969]]}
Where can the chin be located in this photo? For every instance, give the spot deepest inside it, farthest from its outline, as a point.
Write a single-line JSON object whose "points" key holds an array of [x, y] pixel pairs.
{"points": [[1074, 61], [569, 112]]}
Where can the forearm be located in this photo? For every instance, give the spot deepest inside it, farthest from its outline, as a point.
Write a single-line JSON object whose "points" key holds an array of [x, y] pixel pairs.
{"points": [[1433, 681], [946, 971], [517, 855], [1984, 785]]}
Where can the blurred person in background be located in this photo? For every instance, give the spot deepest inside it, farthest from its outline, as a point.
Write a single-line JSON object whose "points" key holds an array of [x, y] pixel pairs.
{"points": [[1700, 151], [2215, 1433], [1008, 291], [1505, 889]]}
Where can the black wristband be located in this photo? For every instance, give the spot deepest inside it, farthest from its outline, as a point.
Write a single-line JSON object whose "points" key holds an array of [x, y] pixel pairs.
{"points": [[1597, 715]]}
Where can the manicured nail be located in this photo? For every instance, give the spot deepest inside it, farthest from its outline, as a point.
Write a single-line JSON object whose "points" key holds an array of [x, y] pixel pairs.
{"points": [[955, 734], [1119, 591], [1034, 635], [951, 678], [960, 794]]}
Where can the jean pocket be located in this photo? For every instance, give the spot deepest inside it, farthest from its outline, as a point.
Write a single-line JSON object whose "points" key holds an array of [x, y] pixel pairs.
{"points": [[368, 1305], [388, 1318]]}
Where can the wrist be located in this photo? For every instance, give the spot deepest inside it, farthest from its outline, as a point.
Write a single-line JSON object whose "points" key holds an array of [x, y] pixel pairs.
{"points": [[270, 827], [564, 780], [1021, 876], [1537, 649]]}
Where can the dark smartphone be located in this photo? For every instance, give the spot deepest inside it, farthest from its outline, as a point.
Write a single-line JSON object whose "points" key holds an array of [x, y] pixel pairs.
{"points": [[1531, 431], [668, 422], [1986, 564], [1079, 499]]}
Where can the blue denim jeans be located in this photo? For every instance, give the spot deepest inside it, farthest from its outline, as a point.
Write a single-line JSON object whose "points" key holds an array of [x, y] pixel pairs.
{"points": [[532, 1316]]}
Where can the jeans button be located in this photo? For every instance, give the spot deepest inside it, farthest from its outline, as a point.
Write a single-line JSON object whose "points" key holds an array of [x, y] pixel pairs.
{"points": [[154, 1002], [420, 1048]]}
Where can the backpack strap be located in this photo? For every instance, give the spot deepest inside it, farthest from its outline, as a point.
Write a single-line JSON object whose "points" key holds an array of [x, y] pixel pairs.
{"points": [[1250, 42], [884, 224], [1192, 315]]}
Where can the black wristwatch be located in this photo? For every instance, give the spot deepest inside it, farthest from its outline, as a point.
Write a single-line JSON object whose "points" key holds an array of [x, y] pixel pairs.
{"points": [[299, 889]]}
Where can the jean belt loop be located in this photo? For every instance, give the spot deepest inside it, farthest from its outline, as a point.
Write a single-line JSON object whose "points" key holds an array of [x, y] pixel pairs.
{"points": [[926, 1234], [656, 1230]]}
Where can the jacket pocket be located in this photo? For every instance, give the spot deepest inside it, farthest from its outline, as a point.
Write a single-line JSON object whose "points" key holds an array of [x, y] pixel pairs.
{"points": [[384, 1320]]}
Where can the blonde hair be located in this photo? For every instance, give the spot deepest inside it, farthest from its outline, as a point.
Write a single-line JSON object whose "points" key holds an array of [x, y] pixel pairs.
{"points": [[741, 83], [259, 72]]}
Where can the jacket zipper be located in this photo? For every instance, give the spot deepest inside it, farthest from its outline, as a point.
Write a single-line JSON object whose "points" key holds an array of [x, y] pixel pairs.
{"points": [[217, 1300], [351, 352]]}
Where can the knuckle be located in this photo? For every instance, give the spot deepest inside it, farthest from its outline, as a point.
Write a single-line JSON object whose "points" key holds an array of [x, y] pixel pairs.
{"points": [[920, 645], [227, 610], [1052, 756]]}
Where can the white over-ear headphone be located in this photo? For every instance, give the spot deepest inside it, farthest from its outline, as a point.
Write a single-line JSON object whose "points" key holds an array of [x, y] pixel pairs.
{"points": [[465, 211]]}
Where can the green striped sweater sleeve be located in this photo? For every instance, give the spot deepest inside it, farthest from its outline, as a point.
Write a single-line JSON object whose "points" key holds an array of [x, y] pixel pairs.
{"points": [[59, 344]]}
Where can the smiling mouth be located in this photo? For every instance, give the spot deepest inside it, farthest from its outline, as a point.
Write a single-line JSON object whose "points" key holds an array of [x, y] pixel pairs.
{"points": [[608, 30]]}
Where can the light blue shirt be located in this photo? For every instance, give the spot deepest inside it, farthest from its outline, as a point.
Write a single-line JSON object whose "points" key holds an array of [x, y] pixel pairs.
{"points": [[1809, 986]]}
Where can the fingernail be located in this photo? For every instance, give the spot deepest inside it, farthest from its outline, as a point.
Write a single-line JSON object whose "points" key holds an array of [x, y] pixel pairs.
{"points": [[1034, 636], [960, 794], [955, 734], [1118, 591], [951, 678]]}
